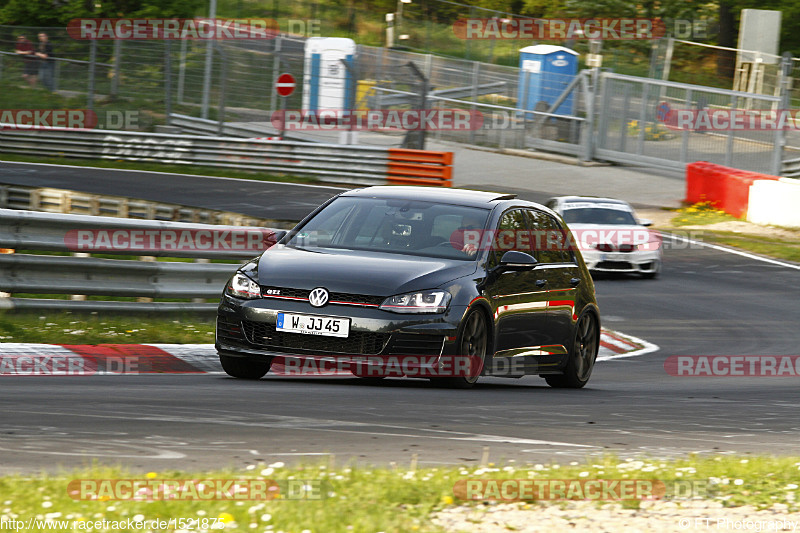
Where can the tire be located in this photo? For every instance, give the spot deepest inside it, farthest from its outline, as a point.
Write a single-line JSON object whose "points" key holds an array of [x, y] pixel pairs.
{"points": [[582, 356], [473, 341], [243, 368]]}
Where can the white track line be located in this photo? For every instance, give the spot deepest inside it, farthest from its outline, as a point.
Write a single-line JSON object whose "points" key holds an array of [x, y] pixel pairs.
{"points": [[732, 251]]}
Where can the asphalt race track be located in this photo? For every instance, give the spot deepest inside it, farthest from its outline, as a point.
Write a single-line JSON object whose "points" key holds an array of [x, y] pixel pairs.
{"points": [[706, 302], [280, 201]]}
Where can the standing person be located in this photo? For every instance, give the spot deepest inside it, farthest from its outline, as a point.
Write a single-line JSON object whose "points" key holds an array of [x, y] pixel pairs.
{"points": [[46, 63], [24, 48]]}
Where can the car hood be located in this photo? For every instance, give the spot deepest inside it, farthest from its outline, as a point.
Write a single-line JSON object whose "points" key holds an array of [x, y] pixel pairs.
{"points": [[356, 272]]}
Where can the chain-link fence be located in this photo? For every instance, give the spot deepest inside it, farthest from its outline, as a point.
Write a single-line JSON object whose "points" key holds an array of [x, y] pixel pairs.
{"points": [[169, 75], [650, 120]]}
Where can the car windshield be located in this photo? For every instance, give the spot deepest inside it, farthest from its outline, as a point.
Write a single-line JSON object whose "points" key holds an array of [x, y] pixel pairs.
{"points": [[598, 215], [409, 227]]}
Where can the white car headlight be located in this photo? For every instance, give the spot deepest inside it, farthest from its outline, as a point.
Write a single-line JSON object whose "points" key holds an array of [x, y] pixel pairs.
{"points": [[241, 286], [433, 301]]}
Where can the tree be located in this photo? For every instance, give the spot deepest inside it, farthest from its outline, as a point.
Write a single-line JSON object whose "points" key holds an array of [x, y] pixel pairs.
{"points": [[53, 13]]}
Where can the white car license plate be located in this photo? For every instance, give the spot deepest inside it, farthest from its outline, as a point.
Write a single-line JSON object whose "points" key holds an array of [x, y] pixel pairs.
{"points": [[313, 325]]}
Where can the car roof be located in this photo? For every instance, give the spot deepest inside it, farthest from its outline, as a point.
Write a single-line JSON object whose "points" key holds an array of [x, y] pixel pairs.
{"points": [[465, 197], [590, 200]]}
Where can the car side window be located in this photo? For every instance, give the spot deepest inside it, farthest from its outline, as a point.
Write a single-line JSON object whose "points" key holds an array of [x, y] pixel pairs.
{"points": [[550, 240], [512, 233]]}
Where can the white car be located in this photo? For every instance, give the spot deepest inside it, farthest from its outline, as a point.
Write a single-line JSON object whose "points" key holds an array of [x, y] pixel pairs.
{"points": [[609, 235]]}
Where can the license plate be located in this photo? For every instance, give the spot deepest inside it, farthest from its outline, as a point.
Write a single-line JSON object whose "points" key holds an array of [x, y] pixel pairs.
{"points": [[313, 325]]}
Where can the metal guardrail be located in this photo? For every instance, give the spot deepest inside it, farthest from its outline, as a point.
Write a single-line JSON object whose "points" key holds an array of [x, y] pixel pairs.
{"points": [[351, 164], [51, 200], [67, 274], [204, 126], [50, 274], [330, 162], [30, 230], [365, 165], [790, 168]]}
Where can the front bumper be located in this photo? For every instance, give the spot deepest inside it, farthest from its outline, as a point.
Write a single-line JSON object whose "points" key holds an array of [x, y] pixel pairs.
{"points": [[246, 328], [645, 261]]}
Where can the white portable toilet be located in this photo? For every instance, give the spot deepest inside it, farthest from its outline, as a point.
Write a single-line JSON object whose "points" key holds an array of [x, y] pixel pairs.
{"points": [[326, 82]]}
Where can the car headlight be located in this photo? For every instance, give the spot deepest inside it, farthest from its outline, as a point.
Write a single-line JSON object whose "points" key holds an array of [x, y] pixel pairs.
{"points": [[434, 301], [241, 286]]}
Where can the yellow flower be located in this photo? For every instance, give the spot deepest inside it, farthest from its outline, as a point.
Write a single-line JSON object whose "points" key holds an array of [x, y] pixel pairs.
{"points": [[226, 517], [150, 475], [447, 500]]}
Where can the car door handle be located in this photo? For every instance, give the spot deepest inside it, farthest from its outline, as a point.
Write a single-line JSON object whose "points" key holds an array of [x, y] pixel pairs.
{"points": [[541, 282], [574, 281]]}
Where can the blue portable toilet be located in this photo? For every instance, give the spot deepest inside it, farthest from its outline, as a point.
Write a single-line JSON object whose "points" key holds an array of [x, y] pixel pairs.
{"points": [[545, 70]]}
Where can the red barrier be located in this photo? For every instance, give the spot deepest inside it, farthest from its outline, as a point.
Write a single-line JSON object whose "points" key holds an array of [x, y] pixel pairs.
{"points": [[723, 187]]}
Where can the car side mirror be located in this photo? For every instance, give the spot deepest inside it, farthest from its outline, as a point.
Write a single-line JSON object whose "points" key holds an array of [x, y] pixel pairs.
{"points": [[514, 260], [645, 222], [275, 237]]}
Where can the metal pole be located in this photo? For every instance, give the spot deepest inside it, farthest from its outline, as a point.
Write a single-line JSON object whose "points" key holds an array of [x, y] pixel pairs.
{"points": [[182, 70], [168, 79], [729, 141], [283, 117], [117, 62], [223, 86], [684, 153], [212, 13], [780, 134], [352, 71], [92, 61], [423, 99], [476, 70], [589, 84], [276, 65]]}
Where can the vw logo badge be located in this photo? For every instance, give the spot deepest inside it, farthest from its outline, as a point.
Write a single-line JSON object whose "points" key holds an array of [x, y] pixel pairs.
{"points": [[318, 297]]}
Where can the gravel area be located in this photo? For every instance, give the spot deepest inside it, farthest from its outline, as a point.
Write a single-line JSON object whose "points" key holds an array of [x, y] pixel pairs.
{"points": [[661, 517]]}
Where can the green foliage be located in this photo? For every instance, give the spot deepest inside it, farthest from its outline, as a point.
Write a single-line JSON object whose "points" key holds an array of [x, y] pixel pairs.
{"points": [[43, 13]]}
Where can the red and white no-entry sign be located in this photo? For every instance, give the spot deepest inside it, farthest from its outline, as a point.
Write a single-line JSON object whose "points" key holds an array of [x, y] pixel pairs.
{"points": [[285, 84]]}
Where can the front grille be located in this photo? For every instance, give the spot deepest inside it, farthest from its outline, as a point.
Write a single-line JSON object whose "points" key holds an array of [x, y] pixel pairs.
{"points": [[344, 297], [229, 330], [409, 344], [614, 265], [358, 343], [612, 248]]}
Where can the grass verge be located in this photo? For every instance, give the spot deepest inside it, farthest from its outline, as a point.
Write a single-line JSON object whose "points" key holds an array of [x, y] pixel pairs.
{"points": [[68, 328], [785, 244], [324, 498]]}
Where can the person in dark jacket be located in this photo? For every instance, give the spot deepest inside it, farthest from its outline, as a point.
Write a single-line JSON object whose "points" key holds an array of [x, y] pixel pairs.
{"points": [[46, 62]]}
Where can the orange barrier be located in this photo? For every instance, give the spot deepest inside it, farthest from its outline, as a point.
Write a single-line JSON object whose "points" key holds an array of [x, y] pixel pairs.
{"points": [[723, 187], [420, 167]]}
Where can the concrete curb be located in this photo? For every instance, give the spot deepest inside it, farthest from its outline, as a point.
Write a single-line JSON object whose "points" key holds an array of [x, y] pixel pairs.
{"points": [[32, 359]]}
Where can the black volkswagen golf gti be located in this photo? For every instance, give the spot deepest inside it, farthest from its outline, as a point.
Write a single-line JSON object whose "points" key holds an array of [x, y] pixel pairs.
{"points": [[386, 273]]}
